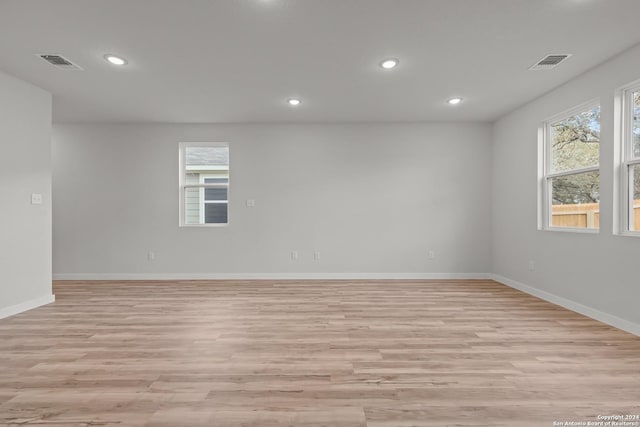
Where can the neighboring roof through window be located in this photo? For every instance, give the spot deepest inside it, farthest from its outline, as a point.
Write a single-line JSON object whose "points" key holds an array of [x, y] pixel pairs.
{"points": [[207, 156]]}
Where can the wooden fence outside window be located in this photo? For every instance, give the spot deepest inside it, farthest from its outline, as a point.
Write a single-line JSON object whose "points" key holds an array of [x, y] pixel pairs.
{"points": [[586, 215]]}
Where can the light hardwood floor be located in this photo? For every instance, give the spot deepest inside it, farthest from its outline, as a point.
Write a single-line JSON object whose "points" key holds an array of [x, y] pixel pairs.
{"points": [[310, 353]]}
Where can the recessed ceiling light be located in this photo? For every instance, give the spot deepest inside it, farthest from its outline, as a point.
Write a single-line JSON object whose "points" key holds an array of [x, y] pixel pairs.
{"points": [[115, 60], [389, 63], [455, 101], [294, 101]]}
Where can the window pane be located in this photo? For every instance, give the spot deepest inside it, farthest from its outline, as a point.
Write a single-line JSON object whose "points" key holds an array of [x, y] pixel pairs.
{"points": [[575, 141], [216, 180], [205, 165], [215, 194], [576, 201], [636, 125], [215, 213], [634, 220]]}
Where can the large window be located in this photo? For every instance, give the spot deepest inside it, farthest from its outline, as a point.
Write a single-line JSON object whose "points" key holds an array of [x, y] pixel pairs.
{"points": [[570, 184], [204, 184], [631, 159]]}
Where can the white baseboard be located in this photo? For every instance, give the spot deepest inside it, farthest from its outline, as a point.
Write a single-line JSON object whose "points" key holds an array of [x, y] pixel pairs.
{"points": [[601, 316], [27, 305], [271, 276]]}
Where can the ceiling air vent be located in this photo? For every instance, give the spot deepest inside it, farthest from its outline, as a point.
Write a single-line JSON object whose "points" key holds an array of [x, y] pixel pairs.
{"points": [[60, 61], [549, 62]]}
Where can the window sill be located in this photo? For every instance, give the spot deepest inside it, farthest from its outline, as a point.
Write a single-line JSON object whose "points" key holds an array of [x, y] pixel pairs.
{"points": [[572, 230], [628, 234], [202, 225]]}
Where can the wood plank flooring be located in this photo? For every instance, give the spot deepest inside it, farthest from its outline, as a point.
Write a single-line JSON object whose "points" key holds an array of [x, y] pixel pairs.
{"points": [[310, 354]]}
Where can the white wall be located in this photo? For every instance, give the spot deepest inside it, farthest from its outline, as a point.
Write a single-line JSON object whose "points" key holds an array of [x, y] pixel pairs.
{"points": [[595, 274], [25, 168], [372, 198]]}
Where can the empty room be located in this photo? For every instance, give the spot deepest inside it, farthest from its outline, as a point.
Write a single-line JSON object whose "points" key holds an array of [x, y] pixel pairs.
{"points": [[307, 213]]}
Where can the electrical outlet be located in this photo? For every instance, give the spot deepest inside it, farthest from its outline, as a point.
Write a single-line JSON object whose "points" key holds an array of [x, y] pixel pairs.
{"points": [[532, 265], [251, 203], [316, 255], [36, 199], [294, 255], [151, 256], [432, 255]]}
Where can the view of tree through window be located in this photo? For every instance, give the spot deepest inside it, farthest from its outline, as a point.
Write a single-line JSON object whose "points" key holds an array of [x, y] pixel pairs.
{"points": [[634, 169], [636, 125], [574, 146]]}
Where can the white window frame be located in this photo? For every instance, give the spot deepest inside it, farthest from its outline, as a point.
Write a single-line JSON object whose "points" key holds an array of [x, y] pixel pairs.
{"points": [[203, 201], [183, 186], [545, 176], [626, 160]]}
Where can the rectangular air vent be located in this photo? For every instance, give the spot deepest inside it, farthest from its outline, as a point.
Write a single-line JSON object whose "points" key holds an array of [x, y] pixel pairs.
{"points": [[59, 61], [549, 62]]}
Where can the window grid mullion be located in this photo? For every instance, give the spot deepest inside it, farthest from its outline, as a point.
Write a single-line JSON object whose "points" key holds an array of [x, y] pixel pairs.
{"points": [[627, 122], [629, 160], [573, 172]]}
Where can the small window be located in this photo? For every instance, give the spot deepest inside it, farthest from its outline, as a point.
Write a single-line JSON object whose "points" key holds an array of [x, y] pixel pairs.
{"points": [[570, 183], [204, 184], [631, 158]]}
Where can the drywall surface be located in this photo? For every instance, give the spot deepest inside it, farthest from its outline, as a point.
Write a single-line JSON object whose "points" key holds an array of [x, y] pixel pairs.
{"points": [[597, 271], [25, 169], [372, 199]]}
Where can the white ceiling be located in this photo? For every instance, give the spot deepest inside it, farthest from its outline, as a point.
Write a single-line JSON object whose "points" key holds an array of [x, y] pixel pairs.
{"points": [[239, 60]]}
